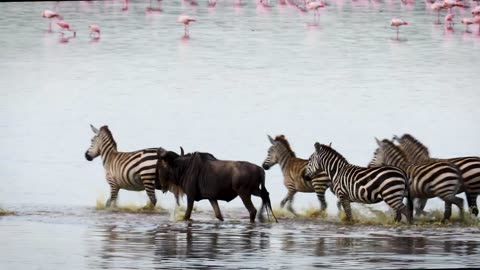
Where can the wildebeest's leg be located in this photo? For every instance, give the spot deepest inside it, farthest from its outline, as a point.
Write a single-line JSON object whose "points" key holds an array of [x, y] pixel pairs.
{"points": [[188, 213], [247, 201], [419, 206], [113, 196], [472, 203], [216, 208]]}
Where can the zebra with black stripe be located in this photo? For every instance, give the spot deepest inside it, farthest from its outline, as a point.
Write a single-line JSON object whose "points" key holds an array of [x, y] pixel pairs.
{"points": [[469, 166], [135, 170], [352, 183], [293, 169], [437, 179]]}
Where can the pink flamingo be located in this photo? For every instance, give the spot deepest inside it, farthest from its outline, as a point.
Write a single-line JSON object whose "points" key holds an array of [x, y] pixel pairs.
{"points": [[476, 20], [451, 4], [449, 21], [314, 5], [153, 9], [212, 3], [396, 23], [476, 11], [437, 7], [66, 26], [94, 31], [467, 22], [51, 15], [125, 6], [186, 21]]}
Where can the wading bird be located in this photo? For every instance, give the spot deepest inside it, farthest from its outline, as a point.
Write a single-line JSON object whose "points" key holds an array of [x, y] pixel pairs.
{"points": [[396, 23], [186, 21], [51, 15], [66, 26], [94, 31]]}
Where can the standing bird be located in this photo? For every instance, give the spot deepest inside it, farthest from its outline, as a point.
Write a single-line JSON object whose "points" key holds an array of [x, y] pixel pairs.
{"points": [[314, 5], [51, 15], [467, 22], [476, 20], [396, 23], [66, 26], [437, 7], [94, 31], [451, 4], [185, 19], [476, 11], [449, 21]]}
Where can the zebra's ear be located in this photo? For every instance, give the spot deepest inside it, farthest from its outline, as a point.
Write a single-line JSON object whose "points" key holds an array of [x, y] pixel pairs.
{"points": [[317, 147], [395, 138], [272, 141], [181, 151], [94, 129], [330, 144], [378, 142]]}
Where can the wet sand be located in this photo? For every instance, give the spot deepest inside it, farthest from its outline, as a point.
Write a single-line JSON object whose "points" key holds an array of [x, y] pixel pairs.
{"points": [[43, 237]]}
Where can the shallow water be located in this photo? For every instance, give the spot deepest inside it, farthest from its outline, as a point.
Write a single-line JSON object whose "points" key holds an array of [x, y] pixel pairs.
{"points": [[245, 72], [79, 237]]}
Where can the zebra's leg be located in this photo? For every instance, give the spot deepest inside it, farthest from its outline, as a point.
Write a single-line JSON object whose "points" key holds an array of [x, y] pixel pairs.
{"points": [[339, 205], [113, 196], [420, 204], [346, 206], [323, 202], [216, 209], [320, 186], [149, 185], [448, 206], [472, 203], [284, 201], [291, 193]]}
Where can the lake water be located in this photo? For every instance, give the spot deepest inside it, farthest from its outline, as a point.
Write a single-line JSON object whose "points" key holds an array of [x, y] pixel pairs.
{"points": [[244, 73]]}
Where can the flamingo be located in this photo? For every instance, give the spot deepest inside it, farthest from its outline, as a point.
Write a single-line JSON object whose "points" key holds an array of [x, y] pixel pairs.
{"points": [[314, 5], [186, 21], [476, 20], [437, 7], [51, 15], [94, 30], [451, 4], [467, 22], [449, 21], [212, 3], [396, 23], [476, 11], [66, 26]]}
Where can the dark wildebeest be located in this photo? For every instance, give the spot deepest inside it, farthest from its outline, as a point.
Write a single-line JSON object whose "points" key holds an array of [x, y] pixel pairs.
{"points": [[202, 176]]}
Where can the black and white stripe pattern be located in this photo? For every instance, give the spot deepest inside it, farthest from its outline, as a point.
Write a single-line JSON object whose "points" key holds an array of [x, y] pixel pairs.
{"points": [[364, 185], [293, 170], [437, 179], [417, 153], [125, 170]]}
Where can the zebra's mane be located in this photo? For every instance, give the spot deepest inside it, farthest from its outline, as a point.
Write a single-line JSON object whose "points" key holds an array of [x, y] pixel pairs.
{"points": [[395, 148], [283, 140], [410, 139], [108, 134], [329, 150]]}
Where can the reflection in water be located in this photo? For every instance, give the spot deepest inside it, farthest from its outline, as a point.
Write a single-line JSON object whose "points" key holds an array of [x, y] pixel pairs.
{"points": [[287, 244]]}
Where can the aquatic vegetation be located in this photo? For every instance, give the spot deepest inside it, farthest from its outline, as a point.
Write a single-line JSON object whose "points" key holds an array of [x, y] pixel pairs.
{"points": [[313, 212], [5, 212], [282, 213]]}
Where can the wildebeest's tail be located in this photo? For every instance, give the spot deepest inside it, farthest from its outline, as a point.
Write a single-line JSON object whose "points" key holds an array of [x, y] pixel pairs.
{"points": [[266, 200]]}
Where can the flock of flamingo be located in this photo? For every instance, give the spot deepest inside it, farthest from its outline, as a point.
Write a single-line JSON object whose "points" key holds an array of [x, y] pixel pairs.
{"points": [[302, 5]]}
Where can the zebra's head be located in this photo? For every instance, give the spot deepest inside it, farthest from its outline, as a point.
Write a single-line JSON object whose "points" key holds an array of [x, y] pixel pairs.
{"points": [[278, 151], [378, 156], [313, 165], [94, 150]]}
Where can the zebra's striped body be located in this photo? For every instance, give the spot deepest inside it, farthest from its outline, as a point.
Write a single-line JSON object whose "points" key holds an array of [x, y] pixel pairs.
{"points": [[293, 170], [437, 179], [469, 166], [365, 185], [125, 170]]}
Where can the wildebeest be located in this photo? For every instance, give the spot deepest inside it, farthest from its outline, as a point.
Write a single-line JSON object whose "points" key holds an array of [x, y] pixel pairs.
{"points": [[202, 176]]}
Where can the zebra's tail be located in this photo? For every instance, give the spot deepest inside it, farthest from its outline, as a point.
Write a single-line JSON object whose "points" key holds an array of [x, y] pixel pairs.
{"points": [[266, 200]]}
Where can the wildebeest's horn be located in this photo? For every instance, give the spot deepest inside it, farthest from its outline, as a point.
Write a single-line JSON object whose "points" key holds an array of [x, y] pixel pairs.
{"points": [[181, 151]]}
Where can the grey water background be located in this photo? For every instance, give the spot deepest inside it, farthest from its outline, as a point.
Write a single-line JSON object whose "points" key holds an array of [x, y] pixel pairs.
{"points": [[245, 72]]}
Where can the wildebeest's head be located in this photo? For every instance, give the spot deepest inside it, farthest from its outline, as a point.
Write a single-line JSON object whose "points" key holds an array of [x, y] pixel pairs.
{"points": [[280, 147], [102, 139], [166, 167]]}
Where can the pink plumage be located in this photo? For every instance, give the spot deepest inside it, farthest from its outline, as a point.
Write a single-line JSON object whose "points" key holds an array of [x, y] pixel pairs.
{"points": [[185, 19], [65, 25], [398, 22], [94, 29]]}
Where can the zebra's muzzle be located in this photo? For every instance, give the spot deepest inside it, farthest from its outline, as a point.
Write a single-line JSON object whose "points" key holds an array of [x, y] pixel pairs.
{"points": [[306, 177], [88, 157], [265, 166]]}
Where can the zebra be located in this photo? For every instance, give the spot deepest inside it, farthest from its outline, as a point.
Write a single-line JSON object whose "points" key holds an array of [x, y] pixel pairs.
{"points": [[352, 183], [293, 169], [469, 166], [126, 170], [437, 179]]}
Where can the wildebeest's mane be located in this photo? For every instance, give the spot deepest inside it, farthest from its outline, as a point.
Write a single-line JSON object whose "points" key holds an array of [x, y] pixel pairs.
{"points": [[107, 133], [414, 141], [395, 148], [283, 140]]}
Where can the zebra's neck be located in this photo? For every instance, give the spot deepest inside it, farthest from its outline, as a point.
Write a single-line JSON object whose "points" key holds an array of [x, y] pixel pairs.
{"points": [[284, 156], [108, 148], [333, 164], [398, 161]]}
